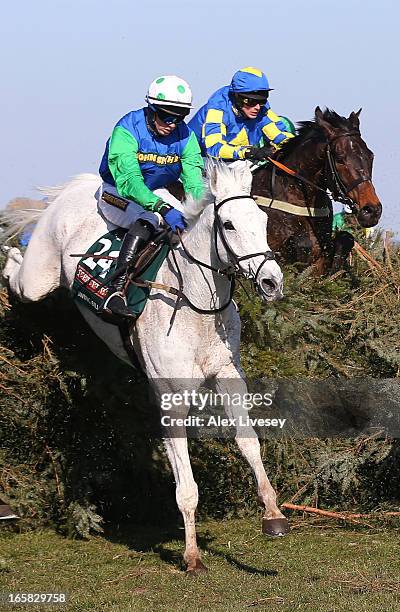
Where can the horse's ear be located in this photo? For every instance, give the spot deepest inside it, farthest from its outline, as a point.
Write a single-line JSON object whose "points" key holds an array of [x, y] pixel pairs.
{"points": [[325, 125], [318, 113], [213, 180], [354, 118], [243, 173]]}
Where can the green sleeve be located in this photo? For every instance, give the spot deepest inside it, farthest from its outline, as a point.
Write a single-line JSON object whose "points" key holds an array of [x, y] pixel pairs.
{"points": [[192, 168], [125, 168], [338, 221]]}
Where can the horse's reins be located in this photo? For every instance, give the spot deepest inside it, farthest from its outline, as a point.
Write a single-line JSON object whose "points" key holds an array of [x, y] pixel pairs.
{"points": [[229, 271], [341, 189]]}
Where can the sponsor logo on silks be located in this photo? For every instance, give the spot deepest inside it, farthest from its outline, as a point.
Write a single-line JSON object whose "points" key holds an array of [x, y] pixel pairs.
{"points": [[161, 160]]}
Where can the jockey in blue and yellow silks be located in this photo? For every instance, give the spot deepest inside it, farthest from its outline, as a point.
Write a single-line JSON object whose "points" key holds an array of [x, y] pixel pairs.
{"points": [[148, 149], [237, 122]]}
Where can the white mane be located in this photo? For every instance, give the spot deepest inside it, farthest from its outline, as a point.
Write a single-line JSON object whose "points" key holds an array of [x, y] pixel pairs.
{"points": [[222, 179]]}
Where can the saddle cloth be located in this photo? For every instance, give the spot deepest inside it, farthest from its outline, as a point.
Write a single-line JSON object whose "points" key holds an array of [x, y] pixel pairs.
{"points": [[91, 283]]}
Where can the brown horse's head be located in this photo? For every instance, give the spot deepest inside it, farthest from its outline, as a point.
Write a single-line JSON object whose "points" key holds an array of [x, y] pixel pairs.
{"points": [[349, 165]]}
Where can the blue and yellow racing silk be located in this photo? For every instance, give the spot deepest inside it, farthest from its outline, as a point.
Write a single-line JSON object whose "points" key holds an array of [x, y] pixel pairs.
{"points": [[223, 132], [137, 161]]}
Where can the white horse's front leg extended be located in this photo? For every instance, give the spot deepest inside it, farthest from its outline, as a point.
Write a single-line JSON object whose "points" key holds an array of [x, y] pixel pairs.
{"points": [[11, 269], [13, 264], [36, 274], [186, 498], [230, 382]]}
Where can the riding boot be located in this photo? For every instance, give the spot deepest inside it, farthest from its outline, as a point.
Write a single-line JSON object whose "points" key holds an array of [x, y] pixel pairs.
{"points": [[135, 239]]}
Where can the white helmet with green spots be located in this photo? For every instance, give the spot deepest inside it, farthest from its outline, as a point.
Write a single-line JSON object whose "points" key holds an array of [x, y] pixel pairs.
{"points": [[169, 90]]}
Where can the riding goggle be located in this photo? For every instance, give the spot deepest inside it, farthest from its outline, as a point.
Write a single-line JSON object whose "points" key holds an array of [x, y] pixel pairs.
{"points": [[168, 117], [249, 101]]}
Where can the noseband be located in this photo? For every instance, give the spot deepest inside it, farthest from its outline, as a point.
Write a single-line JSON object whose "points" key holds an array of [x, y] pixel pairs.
{"points": [[341, 189]]}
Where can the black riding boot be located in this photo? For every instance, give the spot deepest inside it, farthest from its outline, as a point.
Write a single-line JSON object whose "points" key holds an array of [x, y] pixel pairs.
{"points": [[135, 239]]}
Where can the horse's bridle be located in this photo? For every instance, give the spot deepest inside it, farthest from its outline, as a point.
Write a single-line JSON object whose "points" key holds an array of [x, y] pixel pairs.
{"points": [[228, 271], [220, 230], [341, 189]]}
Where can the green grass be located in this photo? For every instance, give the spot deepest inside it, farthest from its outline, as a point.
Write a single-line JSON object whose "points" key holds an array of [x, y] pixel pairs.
{"points": [[319, 566]]}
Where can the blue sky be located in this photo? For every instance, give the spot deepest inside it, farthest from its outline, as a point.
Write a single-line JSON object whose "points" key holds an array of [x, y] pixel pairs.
{"points": [[72, 68]]}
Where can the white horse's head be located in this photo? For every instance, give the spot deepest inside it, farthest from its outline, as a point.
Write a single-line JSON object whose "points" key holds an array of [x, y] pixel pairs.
{"points": [[240, 228]]}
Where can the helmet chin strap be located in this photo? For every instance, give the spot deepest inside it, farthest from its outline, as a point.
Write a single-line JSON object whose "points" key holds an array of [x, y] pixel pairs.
{"points": [[150, 114], [237, 108]]}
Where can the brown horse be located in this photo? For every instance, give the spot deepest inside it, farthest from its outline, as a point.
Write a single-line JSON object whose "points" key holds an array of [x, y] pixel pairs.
{"points": [[329, 154]]}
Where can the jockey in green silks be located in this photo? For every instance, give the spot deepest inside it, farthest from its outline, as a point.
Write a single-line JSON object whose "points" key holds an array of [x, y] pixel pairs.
{"points": [[148, 149]]}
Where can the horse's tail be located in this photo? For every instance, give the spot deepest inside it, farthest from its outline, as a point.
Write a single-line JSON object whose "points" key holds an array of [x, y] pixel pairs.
{"points": [[13, 221], [52, 193]]}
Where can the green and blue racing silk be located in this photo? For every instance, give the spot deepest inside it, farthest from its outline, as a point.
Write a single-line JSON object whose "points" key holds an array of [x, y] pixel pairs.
{"points": [[137, 161]]}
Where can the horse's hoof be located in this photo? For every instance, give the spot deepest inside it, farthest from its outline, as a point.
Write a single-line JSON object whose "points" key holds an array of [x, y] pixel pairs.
{"points": [[275, 527], [197, 569]]}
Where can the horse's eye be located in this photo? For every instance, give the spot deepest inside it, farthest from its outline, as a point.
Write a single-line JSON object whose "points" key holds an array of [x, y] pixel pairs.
{"points": [[228, 225]]}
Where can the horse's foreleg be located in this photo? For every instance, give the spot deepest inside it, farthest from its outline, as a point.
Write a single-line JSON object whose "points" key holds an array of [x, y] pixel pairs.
{"points": [[229, 382], [33, 276], [186, 498], [342, 245], [11, 269]]}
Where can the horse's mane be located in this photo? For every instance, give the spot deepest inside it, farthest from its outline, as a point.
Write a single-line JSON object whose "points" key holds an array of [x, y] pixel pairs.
{"points": [[193, 208], [310, 130], [228, 181]]}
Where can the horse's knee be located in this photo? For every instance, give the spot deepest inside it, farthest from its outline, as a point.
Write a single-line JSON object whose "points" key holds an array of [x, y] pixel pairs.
{"points": [[187, 497], [343, 243], [28, 291]]}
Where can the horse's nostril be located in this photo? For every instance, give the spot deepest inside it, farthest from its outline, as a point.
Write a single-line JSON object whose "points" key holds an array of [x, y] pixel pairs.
{"points": [[367, 210], [268, 286]]}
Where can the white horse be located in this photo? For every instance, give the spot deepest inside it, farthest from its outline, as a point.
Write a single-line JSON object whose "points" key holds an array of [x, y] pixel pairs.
{"points": [[226, 233]]}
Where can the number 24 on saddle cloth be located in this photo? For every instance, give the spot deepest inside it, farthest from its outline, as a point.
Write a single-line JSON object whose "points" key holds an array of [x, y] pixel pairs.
{"points": [[91, 284]]}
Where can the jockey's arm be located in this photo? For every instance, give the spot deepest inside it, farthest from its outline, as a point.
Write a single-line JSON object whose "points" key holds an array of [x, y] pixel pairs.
{"points": [[125, 168], [274, 129], [213, 134], [192, 168]]}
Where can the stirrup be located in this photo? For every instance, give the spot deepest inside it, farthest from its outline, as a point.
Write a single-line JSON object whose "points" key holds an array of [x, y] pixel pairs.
{"points": [[116, 306]]}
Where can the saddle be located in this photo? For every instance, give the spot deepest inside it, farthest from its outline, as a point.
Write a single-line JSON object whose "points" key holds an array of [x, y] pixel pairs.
{"points": [[96, 270]]}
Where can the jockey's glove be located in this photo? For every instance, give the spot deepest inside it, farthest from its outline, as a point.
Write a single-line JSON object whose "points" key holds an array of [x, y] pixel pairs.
{"points": [[174, 218], [259, 153]]}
